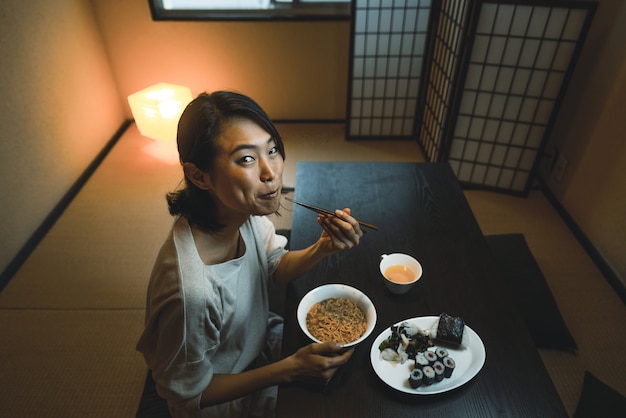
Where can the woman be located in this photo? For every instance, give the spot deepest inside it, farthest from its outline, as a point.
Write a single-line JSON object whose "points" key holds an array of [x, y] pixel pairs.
{"points": [[209, 340]]}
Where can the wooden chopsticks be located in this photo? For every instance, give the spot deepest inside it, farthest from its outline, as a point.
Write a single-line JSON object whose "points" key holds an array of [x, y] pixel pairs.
{"points": [[327, 212]]}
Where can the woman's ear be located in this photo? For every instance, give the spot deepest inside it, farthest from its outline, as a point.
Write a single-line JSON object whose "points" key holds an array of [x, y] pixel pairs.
{"points": [[197, 176]]}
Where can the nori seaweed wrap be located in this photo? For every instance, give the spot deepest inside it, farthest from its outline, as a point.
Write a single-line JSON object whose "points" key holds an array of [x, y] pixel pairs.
{"points": [[439, 370], [449, 365], [441, 352], [450, 329], [431, 357], [421, 360], [429, 376], [415, 378]]}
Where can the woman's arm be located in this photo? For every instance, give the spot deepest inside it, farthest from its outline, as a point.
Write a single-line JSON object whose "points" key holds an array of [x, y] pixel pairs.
{"points": [[313, 363], [340, 232]]}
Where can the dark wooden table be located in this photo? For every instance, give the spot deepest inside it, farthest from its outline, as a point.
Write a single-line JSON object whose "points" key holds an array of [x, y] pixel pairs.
{"points": [[421, 210]]}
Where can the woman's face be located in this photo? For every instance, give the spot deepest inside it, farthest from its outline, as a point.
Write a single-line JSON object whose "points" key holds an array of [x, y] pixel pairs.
{"points": [[247, 175]]}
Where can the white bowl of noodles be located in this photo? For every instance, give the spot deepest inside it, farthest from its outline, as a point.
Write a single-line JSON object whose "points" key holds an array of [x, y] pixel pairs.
{"points": [[337, 313]]}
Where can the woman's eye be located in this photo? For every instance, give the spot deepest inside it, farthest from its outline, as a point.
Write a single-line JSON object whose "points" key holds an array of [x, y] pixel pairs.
{"points": [[274, 150], [245, 160]]}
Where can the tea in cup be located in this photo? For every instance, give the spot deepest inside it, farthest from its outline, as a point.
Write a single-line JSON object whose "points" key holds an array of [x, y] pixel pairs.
{"points": [[401, 272]]}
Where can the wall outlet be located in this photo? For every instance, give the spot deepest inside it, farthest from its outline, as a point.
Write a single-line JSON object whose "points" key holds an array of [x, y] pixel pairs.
{"points": [[559, 167], [549, 159]]}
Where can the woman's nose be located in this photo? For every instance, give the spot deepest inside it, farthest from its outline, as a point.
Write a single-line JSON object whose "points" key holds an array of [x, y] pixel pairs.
{"points": [[267, 171]]}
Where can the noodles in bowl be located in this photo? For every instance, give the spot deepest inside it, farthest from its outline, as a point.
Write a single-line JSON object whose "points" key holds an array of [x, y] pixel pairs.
{"points": [[337, 313], [336, 319]]}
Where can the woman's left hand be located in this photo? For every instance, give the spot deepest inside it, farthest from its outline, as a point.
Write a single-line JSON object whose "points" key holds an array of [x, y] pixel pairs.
{"points": [[341, 232]]}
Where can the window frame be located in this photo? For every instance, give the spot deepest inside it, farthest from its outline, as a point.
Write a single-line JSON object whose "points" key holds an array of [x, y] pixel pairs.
{"points": [[277, 11]]}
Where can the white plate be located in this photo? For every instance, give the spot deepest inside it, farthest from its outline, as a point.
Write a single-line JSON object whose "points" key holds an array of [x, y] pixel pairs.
{"points": [[468, 361]]}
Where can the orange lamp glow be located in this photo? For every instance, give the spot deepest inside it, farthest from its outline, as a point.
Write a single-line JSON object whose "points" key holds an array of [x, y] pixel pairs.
{"points": [[157, 109]]}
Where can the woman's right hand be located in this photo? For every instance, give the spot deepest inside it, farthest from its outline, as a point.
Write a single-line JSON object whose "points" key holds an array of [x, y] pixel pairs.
{"points": [[317, 363], [340, 232]]}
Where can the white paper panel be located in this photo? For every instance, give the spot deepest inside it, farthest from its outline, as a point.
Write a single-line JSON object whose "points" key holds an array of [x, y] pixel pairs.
{"points": [[498, 104], [478, 174], [512, 52], [520, 22], [538, 22], [556, 23], [575, 22]]}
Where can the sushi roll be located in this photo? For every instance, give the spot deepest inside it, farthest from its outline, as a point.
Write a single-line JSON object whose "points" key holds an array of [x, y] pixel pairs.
{"points": [[448, 364], [439, 370], [428, 376], [415, 378], [421, 360], [430, 356], [441, 353]]}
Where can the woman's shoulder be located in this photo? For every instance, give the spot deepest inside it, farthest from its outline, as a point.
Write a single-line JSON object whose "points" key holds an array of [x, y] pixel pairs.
{"points": [[178, 263], [183, 242], [263, 231]]}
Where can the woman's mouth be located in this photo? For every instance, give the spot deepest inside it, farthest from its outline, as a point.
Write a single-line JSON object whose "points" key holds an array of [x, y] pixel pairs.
{"points": [[271, 195]]}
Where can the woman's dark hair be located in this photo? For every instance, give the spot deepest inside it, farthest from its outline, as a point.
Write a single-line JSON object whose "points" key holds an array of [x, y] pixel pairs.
{"points": [[199, 128]]}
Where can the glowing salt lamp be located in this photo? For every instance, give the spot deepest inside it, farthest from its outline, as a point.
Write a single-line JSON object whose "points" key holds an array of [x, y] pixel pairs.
{"points": [[157, 109]]}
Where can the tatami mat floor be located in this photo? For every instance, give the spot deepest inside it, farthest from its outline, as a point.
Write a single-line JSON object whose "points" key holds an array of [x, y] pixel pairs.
{"points": [[70, 317]]}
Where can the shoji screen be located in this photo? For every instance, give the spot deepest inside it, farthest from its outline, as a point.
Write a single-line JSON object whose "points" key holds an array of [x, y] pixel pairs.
{"points": [[442, 78], [521, 58], [387, 58]]}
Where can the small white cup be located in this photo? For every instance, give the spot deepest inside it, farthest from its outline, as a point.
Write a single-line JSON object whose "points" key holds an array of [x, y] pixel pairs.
{"points": [[408, 264]]}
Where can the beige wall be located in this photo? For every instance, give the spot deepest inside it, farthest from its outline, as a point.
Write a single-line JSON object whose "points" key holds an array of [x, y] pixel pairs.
{"points": [[59, 106], [591, 133], [295, 70]]}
